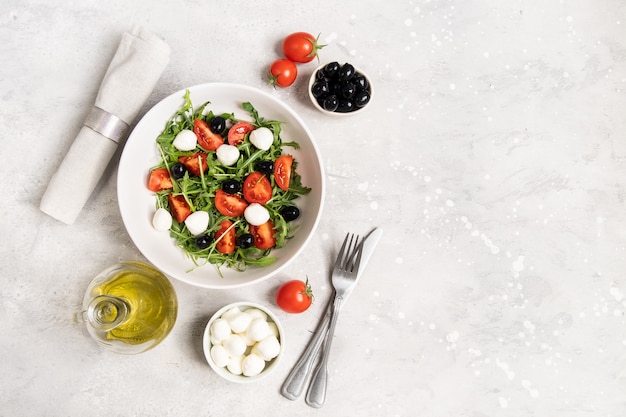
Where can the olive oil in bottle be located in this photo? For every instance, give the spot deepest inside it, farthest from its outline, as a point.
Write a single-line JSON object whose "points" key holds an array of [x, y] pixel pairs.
{"points": [[130, 307]]}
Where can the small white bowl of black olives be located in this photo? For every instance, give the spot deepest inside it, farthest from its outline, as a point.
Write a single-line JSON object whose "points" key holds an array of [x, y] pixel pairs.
{"points": [[339, 89]]}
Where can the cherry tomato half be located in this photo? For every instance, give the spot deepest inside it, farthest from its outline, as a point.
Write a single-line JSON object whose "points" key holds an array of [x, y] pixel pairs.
{"points": [[237, 133], [263, 235], [282, 171], [283, 73], [195, 163], [159, 180], [206, 138], [179, 207], [294, 296], [229, 204], [225, 238], [301, 47], [257, 188]]}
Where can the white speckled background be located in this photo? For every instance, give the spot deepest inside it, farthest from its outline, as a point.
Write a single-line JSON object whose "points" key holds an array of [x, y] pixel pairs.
{"points": [[493, 156]]}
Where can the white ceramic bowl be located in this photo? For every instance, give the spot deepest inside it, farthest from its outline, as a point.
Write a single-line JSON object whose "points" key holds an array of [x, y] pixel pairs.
{"points": [[207, 343], [137, 203], [312, 81]]}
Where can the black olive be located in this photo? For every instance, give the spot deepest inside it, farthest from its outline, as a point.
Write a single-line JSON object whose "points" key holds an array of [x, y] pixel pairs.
{"points": [[319, 75], [361, 98], [346, 72], [360, 81], [217, 124], [334, 88], [178, 170], [331, 70], [245, 240], [329, 103], [290, 213], [231, 186], [345, 106], [320, 89], [264, 166], [348, 89], [203, 241]]}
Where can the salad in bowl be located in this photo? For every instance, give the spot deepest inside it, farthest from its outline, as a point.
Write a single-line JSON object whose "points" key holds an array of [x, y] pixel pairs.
{"points": [[220, 185]]}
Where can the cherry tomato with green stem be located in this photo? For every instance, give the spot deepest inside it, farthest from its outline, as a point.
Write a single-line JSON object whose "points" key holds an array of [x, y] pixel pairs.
{"points": [[283, 73], [301, 47], [294, 296]]}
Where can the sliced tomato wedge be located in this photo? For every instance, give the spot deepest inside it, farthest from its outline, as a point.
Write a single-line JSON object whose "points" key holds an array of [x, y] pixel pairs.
{"points": [[179, 207], [159, 180], [225, 238], [257, 188], [192, 163], [282, 171], [237, 132], [264, 235], [206, 138], [229, 204]]}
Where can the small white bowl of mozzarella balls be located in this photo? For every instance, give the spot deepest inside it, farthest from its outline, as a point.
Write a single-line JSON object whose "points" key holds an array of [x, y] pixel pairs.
{"points": [[243, 342]]}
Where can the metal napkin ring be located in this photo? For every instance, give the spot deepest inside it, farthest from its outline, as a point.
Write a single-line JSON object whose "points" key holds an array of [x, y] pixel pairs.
{"points": [[107, 124]]}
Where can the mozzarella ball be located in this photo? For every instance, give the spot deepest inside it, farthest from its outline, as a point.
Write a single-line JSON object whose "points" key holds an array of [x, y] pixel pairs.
{"points": [[255, 313], [215, 341], [220, 329], [273, 329], [262, 138], [197, 222], [234, 345], [258, 329], [239, 323], [247, 339], [268, 348], [234, 365], [219, 356], [162, 220], [185, 140], [227, 154], [231, 313], [256, 214], [252, 365]]}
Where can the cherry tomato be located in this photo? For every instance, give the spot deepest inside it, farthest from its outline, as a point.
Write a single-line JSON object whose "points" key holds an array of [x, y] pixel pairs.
{"points": [[179, 207], [301, 47], [283, 73], [294, 296], [225, 238], [159, 180], [282, 171], [257, 188], [237, 133], [192, 163], [229, 204], [206, 138], [263, 235]]}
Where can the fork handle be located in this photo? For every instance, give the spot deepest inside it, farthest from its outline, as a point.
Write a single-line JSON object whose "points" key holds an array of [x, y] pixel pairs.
{"points": [[316, 395], [297, 378]]}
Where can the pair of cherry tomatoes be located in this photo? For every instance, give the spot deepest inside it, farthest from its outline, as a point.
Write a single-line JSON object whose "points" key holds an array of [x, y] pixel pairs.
{"points": [[299, 47]]}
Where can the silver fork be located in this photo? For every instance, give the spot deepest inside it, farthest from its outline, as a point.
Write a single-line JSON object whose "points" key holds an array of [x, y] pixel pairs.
{"points": [[343, 279], [298, 377]]}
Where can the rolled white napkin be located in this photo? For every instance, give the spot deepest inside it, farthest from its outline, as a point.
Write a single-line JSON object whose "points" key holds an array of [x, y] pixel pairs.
{"points": [[135, 69]]}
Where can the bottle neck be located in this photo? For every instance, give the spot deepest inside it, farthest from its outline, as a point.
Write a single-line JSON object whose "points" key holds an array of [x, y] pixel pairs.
{"points": [[106, 312]]}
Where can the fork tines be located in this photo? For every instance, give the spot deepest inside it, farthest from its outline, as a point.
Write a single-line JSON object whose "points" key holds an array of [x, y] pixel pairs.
{"points": [[348, 260]]}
